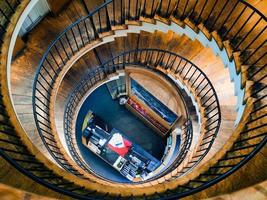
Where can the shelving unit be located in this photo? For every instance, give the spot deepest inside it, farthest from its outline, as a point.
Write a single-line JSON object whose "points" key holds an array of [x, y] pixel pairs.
{"points": [[147, 116]]}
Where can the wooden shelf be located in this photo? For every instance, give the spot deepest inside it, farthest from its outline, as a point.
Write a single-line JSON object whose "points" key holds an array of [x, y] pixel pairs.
{"points": [[147, 119], [151, 112]]}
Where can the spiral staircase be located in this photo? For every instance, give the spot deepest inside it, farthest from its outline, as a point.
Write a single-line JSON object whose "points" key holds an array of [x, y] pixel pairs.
{"points": [[214, 52]]}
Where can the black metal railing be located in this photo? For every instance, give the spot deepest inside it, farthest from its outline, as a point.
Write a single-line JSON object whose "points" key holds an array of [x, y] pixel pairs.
{"points": [[154, 59], [74, 101], [248, 38]]}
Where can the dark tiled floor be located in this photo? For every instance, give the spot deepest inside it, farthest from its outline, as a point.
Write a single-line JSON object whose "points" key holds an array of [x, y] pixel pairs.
{"points": [[120, 118]]}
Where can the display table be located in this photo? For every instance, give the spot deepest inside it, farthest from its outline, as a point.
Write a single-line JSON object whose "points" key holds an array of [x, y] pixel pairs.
{"points": [[131, 160]]}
